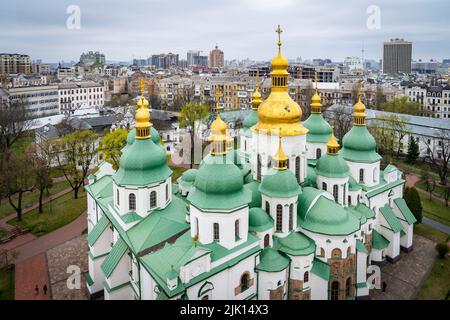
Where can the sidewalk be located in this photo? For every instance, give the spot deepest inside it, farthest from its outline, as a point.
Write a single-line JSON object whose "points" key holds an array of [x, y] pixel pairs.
{"points": [[51, 240], [30, 273]]}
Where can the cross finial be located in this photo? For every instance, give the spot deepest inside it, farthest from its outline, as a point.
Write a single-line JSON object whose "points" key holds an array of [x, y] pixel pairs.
{"points": [[218, 95], [315, 82], [279, 31], [257, 80], [142, 85], [359, 90]]}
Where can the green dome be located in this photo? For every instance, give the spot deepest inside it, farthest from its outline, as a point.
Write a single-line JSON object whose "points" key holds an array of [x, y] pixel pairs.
{"points": [[253, 187], [311, 177], [218, 185], [270, 260], [131, 136], [359, 145], [189, 175], [280, 184], [296, 244], [142, 163], [251, 119], [259, 220], [156, 138], [319, 129], [231, 157], [325, 216], [352, 184], [332, 166]]}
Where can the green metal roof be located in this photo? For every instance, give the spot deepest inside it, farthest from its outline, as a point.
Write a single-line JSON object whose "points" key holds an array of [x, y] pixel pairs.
{"points": [[390, 168], [391, 219], [365, 211], [296, 244], [319, 129], [321, 269], [259, 220], [311, 177], [352, 184], [113, 258], [379, 241], [251, 119], [383, 186], [270, 260], [130, 217], [361, 247], [142, 163], [280, 184], [327, 217], [219, 185], [159, 225], [97, 230], [404, 209], [253, 187], [332, 166], [359, 146]]}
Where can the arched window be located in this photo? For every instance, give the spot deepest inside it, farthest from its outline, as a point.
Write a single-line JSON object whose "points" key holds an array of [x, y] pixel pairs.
{"points": [[196, 226], [297, 168], [167, 192], [344, 191], [266, 240], [236, 229], [334, 290], [152, 199], [322, 252], [118, 196], [361, 175], [318, 153], [269, 162], [268, 207], [324, 186], [375, 175], [336, 253], [291, 216], [216, 231], [335, 192], [245, 144], [349, 251], [132, 202], [279, 217], [348, 287], [306, 277], [258, 168], [349, 200], [245, 281]]}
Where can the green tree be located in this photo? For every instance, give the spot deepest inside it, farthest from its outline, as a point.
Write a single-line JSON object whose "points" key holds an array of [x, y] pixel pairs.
{"points": [[412, 199], [379, 98], [189, 117], [413, 150], [402, 105], [75, 153], [16, 179], [111, 145], [41, 171]]}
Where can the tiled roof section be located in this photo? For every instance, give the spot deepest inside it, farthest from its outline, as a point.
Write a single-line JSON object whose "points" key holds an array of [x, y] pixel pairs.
{"points": [[404, 209], [378, 241], [391, 219], [97, 230], [113, 258], [321, 269]]}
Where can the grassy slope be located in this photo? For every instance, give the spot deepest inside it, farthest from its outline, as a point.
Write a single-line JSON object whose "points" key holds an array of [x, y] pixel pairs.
{"points": [[7, 283]]}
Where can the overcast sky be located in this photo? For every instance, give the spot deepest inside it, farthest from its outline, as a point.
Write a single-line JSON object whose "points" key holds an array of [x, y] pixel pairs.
{"points": [[124, 30]]}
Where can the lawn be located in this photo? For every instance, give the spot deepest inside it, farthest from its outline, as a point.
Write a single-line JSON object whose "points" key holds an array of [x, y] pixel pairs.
{"points": [[57, 213], [7, 283], [30, 198], [21, 145], [435, 209], [430, 233], [437, 285], [177, 172]]}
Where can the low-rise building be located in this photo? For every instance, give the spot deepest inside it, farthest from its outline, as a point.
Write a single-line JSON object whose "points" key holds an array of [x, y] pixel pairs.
{"points": [[39, 101], [72, 95]]}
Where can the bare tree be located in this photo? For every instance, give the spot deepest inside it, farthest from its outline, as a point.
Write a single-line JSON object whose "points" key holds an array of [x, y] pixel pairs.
{"points": [[40, 161], [15, 120], [439, 154], [340, 119], [446, 195]]}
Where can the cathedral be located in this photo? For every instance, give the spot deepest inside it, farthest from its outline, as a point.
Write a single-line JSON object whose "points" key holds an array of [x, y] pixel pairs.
{"points": [[292, 214]]}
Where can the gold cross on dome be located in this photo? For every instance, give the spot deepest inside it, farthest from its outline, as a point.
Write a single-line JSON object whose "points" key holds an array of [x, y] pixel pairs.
{"points": [[142, 85], [279, 31], [359, 90]]}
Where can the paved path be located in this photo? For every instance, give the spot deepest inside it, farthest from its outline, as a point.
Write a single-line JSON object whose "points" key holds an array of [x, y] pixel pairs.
{"points": [[4, 221], [28, 274], [405, 277], [437, 225], [51, 240]]}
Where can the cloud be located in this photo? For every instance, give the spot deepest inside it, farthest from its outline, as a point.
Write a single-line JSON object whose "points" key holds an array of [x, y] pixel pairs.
{"points": [[243, 28]]}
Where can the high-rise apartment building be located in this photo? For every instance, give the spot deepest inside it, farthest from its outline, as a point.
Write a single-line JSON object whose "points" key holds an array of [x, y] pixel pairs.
{"points": [[165, 60], [216, 58], [397, 55], [194, 58], [90, 58], [14, 63]]}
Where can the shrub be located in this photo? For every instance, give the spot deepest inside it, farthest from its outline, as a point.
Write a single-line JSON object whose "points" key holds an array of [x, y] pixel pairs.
{"points": [[442, 249], [412, 198]]}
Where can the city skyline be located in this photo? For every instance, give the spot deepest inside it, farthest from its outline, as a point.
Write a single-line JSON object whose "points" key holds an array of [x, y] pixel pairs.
{"points": [[242, 29]]}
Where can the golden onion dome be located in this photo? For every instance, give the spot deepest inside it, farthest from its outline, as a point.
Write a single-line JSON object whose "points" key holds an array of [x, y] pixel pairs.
{"points": [[332, 145], [218, 126], [279, 111], [256, 96], [359, 116]]}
